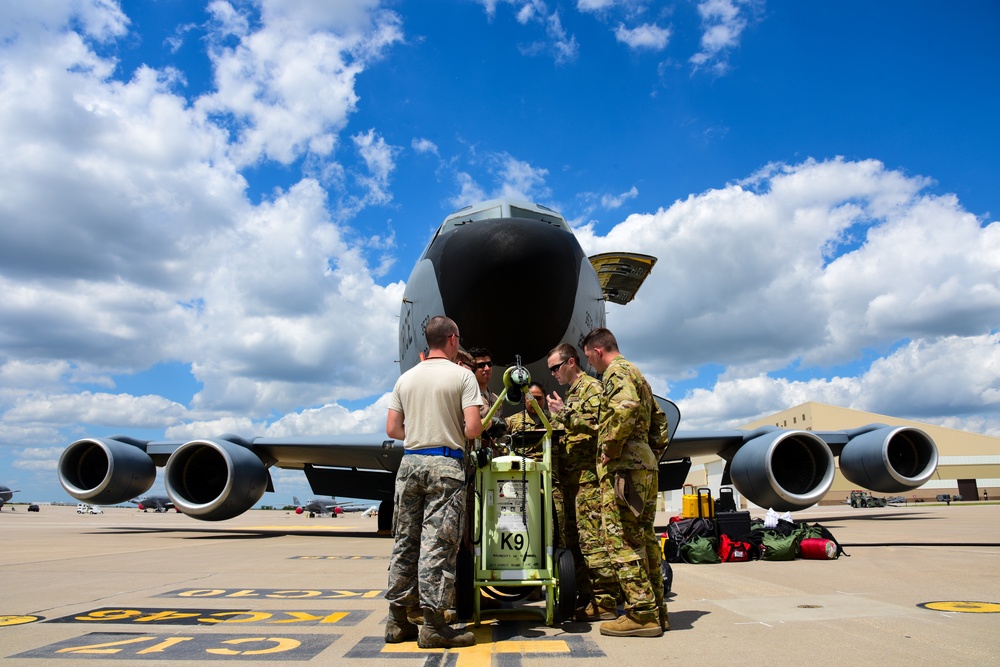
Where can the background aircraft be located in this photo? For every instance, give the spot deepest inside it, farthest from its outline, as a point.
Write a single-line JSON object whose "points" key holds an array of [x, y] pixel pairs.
{"points": [[6, 493], [155, 503], [324, 506], [476, 256]]}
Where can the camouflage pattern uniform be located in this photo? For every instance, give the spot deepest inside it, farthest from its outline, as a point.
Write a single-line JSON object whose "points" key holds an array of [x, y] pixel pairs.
{"points": [[629, 487], [578, 473], [485, 441], [528, 421], [427, 526]]}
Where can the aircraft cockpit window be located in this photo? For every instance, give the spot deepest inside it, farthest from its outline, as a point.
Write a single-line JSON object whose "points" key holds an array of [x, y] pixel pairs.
{"points": [[485, 214], [457, 219], [517, 212]]}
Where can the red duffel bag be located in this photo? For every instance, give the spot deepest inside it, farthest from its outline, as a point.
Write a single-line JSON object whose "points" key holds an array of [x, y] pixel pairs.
{"points": [[818, 548], [734, 551]]}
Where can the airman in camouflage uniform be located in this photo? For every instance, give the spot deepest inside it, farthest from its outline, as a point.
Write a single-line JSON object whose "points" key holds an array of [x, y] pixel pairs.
{"points": [[483, 370], [528, 420], [429, 496], [627, 469], [437, 484], [577, 414]]}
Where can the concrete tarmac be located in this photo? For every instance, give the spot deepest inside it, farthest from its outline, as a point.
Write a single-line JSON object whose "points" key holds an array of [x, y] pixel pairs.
{"points": [[921, 586]]}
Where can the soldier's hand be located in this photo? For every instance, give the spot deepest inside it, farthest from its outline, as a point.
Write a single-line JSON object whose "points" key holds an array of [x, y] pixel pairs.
{"points": [[555, 403], [497, 428]]}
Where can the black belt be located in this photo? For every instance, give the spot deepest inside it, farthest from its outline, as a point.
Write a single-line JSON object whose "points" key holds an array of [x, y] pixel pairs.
{"points": [[436, 451]]}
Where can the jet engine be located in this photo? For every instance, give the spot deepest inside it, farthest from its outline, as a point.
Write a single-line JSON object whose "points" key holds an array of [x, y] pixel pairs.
{"points": [[214, 479], [106, 471], [888, 459], [784, 470]]}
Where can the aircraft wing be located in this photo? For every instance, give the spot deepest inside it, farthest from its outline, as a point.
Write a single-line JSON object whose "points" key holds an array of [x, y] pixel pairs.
{"points": [[219, 478], [792, 470]]}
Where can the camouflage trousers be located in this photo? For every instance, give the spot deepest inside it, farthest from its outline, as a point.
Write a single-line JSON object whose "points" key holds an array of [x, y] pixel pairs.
{"points": [[427, 521], [632, 547], [600, 582]]}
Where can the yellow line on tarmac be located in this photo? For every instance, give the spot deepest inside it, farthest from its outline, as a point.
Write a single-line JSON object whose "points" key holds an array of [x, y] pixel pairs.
{"points": [[966, 607], [18, 620], [484, 649]]}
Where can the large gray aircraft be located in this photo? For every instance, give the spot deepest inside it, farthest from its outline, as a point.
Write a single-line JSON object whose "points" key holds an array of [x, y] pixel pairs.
{"points": [[324, 507], [6, 493], [155, 503], [479, 251]]}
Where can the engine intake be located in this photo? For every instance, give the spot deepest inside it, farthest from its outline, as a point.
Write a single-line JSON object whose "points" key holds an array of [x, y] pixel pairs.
{"points": [[889, 459], [106, 471], [783, 470], [214, 479]]}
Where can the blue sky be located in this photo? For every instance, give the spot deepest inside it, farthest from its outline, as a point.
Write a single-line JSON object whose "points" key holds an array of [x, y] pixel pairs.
{"points": [[208, 210]]}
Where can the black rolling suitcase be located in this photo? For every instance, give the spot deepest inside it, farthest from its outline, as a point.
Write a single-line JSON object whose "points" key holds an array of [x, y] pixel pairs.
{"points": [[726, 502], [728, 520]]}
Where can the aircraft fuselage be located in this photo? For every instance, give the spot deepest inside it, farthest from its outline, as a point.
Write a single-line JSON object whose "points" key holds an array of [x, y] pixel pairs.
{"points": [[513, 277]]}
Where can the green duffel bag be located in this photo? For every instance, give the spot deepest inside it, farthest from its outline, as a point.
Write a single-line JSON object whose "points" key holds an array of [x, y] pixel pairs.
{"points": [[804, 531], [779, 547], [700, 550]]}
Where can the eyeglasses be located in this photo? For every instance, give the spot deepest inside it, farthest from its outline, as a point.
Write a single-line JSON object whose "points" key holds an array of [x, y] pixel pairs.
{"points": [[553, 369], [484, 364]]}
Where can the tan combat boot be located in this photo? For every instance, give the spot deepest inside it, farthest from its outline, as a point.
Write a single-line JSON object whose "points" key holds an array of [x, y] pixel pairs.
{"points": [[592, 612], [399, 628], [415, 615], [436, 633], [627, 625]]}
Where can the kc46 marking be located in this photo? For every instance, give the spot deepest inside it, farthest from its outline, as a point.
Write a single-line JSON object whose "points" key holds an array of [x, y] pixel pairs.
{"points": [[145, 616]]}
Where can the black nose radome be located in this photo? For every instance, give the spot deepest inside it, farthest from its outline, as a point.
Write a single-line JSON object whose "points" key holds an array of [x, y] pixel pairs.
{"points": [[509, 283]]}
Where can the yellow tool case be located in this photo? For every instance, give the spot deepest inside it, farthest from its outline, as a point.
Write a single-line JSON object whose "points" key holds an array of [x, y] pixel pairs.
{"points": [[698, 503]]}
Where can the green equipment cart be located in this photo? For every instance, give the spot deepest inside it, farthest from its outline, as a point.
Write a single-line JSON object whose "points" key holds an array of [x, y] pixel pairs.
{"points": [[513, 524]]}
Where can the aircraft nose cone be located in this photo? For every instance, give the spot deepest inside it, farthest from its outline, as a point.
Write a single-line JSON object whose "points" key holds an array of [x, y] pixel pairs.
{"points": [[510, 284]]}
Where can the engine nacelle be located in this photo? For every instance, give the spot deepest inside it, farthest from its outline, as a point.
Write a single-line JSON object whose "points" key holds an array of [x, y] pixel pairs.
{"points": [[783, 470], [105, 471], [889, 459], [214, 479]]}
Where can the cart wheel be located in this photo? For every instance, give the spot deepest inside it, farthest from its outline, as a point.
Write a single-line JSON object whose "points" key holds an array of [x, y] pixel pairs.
{"points": [[566, 590], [464, 589]]}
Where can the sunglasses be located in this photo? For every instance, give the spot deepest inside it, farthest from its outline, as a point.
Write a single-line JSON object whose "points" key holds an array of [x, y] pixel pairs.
{"points": [[484, 364], [553, 369]]}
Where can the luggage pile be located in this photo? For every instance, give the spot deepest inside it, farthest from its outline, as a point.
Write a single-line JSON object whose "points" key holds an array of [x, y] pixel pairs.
{"points": [[716, 532]]}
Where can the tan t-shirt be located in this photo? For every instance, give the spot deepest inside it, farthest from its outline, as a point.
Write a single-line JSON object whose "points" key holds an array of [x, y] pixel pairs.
{"points": [[432, 397]]}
